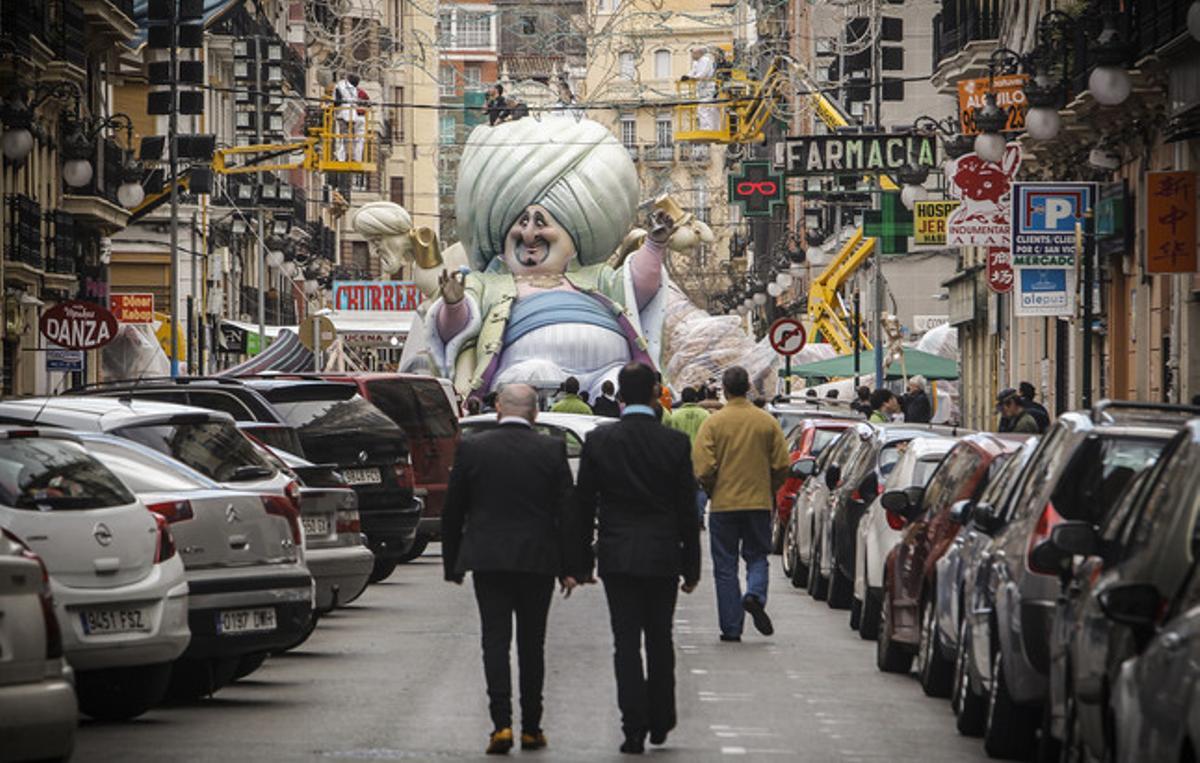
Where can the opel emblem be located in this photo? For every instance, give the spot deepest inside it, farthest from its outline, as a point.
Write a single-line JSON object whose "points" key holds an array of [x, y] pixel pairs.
{"points": [[231, 514], [363, 456], [102, 534]]}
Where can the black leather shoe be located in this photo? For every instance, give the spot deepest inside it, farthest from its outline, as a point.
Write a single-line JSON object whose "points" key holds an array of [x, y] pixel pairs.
{"points": [[731, 639], [659, 736], [758, 614], [633, 745]]}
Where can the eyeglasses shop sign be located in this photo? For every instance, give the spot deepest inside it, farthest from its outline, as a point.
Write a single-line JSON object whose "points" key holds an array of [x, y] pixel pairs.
{"points": [[867, 153]]}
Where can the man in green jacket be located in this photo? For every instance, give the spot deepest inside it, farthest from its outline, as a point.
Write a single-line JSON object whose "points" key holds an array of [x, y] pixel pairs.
{"points": [[571, 402], [883, 405], [741, 459], [687, 419]]}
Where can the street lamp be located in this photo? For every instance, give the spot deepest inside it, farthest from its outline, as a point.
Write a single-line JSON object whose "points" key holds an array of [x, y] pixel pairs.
{"points": [[1109, 82], [913, 177], [1044, 93], [955, 143], [1193, 20], [991, 120], [17, 115], [760, 299]]}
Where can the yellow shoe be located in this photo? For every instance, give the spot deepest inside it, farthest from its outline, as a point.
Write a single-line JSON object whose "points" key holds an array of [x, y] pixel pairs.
{"points": [[533, 741], [501, 742]]}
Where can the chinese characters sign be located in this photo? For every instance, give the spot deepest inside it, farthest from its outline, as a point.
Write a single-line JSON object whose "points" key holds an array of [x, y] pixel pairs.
{"points": [[999, 270], [756, 189], [1171, 222], [1010, 98]]}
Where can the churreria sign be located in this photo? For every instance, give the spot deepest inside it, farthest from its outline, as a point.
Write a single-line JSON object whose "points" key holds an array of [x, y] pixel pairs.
{"points": [[867, 153]]}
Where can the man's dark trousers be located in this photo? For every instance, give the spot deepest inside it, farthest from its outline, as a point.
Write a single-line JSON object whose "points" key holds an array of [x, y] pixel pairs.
{"points": [[500, 596], [643, 607]]}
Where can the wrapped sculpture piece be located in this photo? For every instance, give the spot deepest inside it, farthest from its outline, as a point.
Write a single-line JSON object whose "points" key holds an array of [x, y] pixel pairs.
{"points": [[547, 289]]}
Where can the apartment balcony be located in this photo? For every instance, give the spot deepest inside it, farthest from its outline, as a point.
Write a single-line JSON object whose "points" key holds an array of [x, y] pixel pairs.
{"points": [[964, 35], [659, 154], [110, 19], [96, 203]]}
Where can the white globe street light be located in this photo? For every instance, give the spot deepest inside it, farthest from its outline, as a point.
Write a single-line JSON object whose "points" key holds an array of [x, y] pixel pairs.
{"points": [[1043, 123], [760, 299], [1193, 20], [785, 280], [774, 289], [989, 146], [130, 194], [912, 193], [77, 172], [18, 142], [274, 258], [1110, 85]]}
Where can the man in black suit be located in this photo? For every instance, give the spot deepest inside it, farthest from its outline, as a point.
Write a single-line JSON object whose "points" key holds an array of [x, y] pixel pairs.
{"points": [[504, 520], [637, 475]]}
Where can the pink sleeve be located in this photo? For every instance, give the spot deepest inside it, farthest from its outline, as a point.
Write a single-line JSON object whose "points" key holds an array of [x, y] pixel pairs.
{"points": [[645, 266], [452, 318]]}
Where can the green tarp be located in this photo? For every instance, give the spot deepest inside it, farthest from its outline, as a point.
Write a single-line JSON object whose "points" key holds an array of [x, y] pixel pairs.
{"points": [[915, 363]]}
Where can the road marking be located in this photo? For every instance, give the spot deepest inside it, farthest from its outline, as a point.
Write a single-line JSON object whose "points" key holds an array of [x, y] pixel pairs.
{"points": [[733, 750]]}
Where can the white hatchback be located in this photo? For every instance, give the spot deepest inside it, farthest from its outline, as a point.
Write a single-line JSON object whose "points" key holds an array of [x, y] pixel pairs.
{"points": [[119, 589], [37, 704]]}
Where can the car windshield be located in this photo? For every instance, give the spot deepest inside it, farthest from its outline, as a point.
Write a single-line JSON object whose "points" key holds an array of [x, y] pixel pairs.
{"points": [[47, 474], [216, 449], [141, 472], [821, 439], [327, 409], [419, 407], [277, 438]]}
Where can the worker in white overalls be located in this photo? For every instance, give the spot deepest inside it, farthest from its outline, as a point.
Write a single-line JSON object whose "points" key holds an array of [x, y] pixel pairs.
{"points": [[345, 95], [703, 71]]}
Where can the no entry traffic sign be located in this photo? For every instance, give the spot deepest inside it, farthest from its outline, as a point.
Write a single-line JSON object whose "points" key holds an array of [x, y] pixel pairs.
{"points": [[787, 336]]}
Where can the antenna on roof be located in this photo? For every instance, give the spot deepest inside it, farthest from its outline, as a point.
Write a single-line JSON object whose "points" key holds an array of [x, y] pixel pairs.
{"points": [[47, 399]]}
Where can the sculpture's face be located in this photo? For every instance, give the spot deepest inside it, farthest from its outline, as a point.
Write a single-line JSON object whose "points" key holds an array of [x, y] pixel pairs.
{"points": [[392, 251], [536, 243]]}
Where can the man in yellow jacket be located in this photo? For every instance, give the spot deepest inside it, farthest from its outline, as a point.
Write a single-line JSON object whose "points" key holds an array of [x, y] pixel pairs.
{"points": [[740, 459]]}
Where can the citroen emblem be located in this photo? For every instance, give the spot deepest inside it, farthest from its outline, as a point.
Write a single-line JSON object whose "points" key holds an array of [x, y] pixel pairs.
{"points": [[363, 456], [231, 514], [102, 534]]}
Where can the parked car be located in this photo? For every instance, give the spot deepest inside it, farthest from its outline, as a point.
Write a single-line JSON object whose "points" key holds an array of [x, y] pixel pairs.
{"points": [[1155, 700], [837, 525], [422, 407], [806, 440], [880, 530], [118, 584], [334, 550], [790, 411], [956, 578], [821, 477], [337, 425], [1076, 473], [572, 428], [38, 712], [323, 421], [907, 616], [251, 593], [1119, 535]]}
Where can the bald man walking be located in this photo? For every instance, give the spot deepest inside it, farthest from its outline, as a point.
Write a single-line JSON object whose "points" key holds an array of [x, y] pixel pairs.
{"points": [[503, 521]]}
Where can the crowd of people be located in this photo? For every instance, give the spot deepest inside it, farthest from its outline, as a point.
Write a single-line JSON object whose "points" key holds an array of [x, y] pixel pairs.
{"points": [[632, 519]]}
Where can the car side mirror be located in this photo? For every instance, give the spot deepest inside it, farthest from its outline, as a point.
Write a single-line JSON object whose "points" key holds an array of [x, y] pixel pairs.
{"points": [[833, 476], [985, 518], [960, 512], [803, 468], [905, 503], [1076, 538], [1134, 604], [895, 501]]}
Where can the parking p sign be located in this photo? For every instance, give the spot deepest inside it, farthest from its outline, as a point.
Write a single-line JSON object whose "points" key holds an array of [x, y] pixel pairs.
{"points": [[1044, 219]]}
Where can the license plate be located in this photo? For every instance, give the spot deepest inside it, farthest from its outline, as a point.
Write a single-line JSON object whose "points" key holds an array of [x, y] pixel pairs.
{"points": [[99, 621], [316, 525], [362, 476], [234, 621]]}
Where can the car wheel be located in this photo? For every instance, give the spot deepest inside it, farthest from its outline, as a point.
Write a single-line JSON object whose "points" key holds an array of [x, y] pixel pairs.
{"points": [[856, 607], [1009, 728], [383, 568], [890, 657], [868, 626], [841, 589], [776, 533], [118, 694], [799, 570], [418, 548], [969, 708], [935, 671], [818, 587], [248, 663], [787, 557]]}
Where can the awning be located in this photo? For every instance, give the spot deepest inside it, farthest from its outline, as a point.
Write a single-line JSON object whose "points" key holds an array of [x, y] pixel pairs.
{"points": [[285, 355], [916, 363]]}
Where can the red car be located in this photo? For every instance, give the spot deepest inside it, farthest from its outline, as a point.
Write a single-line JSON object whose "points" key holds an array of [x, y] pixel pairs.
{"points": [[909, 571], [420, 407], [806, 440]]}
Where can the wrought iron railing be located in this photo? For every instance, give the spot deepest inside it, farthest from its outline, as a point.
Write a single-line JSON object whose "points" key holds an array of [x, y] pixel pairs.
{"points": [[22, 235]]}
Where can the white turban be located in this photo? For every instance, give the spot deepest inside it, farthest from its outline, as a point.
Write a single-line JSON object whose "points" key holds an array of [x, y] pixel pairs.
{"points": [[382, 218], [576, 169]]}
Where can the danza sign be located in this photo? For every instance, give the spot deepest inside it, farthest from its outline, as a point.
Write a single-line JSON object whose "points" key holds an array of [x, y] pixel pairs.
{"points": [[77, 325], [868, 153]]}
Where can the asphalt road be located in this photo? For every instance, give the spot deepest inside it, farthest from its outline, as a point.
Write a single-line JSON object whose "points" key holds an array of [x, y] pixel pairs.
{"points": [[397, 676]]}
